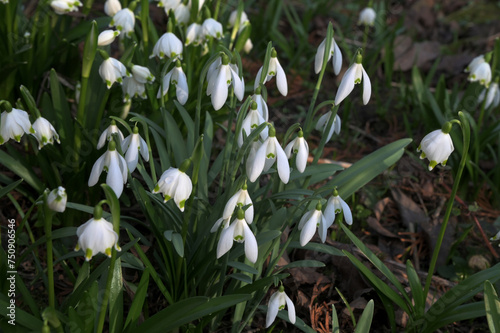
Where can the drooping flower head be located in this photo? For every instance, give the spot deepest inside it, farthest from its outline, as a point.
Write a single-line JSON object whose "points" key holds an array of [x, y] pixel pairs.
{"points": [[252, 120], [96, 236], [57, 198], [492, 95], [177, 78], [175, 184], [367, 16], [194, 34], [220, 78], [124, 21], [107, 134], [116, 167], [212, 28], [274, 69], [107, 37], [45, 133], [337, 205], [111, 7], [240, 232], [437, 146], [269, 152], [334, 52], [111, 70], [309, 222], [323, 123], [65, 6], [352, 76], [13, 124], [168, 46], [300, 149], [277, 302], [261, 104], [131, 146]]}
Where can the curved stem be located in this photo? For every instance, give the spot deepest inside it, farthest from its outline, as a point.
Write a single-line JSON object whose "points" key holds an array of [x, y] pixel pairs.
{"points": [[105, 299], [464, 124], [50, 259]]}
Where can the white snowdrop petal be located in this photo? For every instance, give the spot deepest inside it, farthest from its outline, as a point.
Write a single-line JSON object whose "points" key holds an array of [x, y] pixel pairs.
{"points": [[346, 85], [367, 88]]}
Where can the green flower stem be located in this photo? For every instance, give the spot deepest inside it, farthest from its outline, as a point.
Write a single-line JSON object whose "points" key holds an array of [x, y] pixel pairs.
{"points": [[105, 299], [464, 125], [48, 214], [310, 112], [365, 36], [145, 23], [100, 113]]}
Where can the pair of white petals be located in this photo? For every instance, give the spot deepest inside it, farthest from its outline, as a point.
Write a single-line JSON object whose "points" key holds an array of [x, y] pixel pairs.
{"points": [[117, 170], [276, 303], [241, 197], [354, 75], [168, 45], [299, 147], [240, 232], [264, 157], [219, 80], [175, 184], [132, 145], [175, 77], [492, 94], [274, 69], [334, 52], [111, 71], [124, 21], [98, 236], [437, 146], [323, 122]]}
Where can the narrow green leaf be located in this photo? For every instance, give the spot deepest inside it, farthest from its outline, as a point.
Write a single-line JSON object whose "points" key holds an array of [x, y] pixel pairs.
{"points": [[416, 288], [176, 141], [116, 299], [5, 190], [21, 170], [243, 267], [241, 277], [318, 247], [139, 298], [365, 321], [492, 306], [335, 320]]}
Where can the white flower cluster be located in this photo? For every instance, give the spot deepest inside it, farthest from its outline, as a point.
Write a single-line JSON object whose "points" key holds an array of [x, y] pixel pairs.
{"points": [[62, 7]]}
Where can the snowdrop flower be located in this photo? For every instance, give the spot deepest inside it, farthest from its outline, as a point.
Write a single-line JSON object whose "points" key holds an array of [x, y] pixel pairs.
{"points": [[116, 167], [337, 205], [474, 63], [132, 145], [65, 6], [496, 237], [96, 236], [334, 51], [251, 122], [182, 14], [277, 302], [437, 146], [492, 94], [234, 15], [14, 123], [169, 4], [200, 4], [219, 79], [212, 28], [274, 69], [240, 232], [107, 37], [56, 200], [168, 46], [142, 74], [107, 134], [308, 223], [45, 133], [177, 78], [254, 147], [194, 34], [367, 16], [481, 73], [111, 70], [124, 21], [323, 122], [111, 7], [248, 46], [269, 152], [239, 199], [261, 104], [299, 147], [351, 77], [133, 88], [174, 183]]}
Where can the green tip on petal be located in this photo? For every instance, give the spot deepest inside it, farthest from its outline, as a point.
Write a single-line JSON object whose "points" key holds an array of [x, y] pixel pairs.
{"points": [[77, 247], [182, 204], [108, 252], [432, 164], [88, 254], [166, 198]]}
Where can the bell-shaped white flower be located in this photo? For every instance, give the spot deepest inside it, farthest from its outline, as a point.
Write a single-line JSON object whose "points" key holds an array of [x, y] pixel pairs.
{"points": [[45, 133], [111, 7], [353, 76], [219, 79], [107, 134], [65, 6], [337, 205], [437, 146], [334, 52], [240, 232], [168, 46], [323, 122], [481, 73], [474, 63], [269, 152], [277, 302], [124, 21], [177, 78], [131, 146], [234, 15], [142, 74], [261, 104], [300, 148], [57, 198], [248, 46], [96, 236], [200, 4], [194, 34], [107, 37], [251, 122], [169, 4], [240, 198], [182, 14], [492, 94], [111, 71], [14, 123], [367, 16], [133, 88], [308, 223], [274, 69], [174, 183], [212, 28], [116, 167], [254, 147]]}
